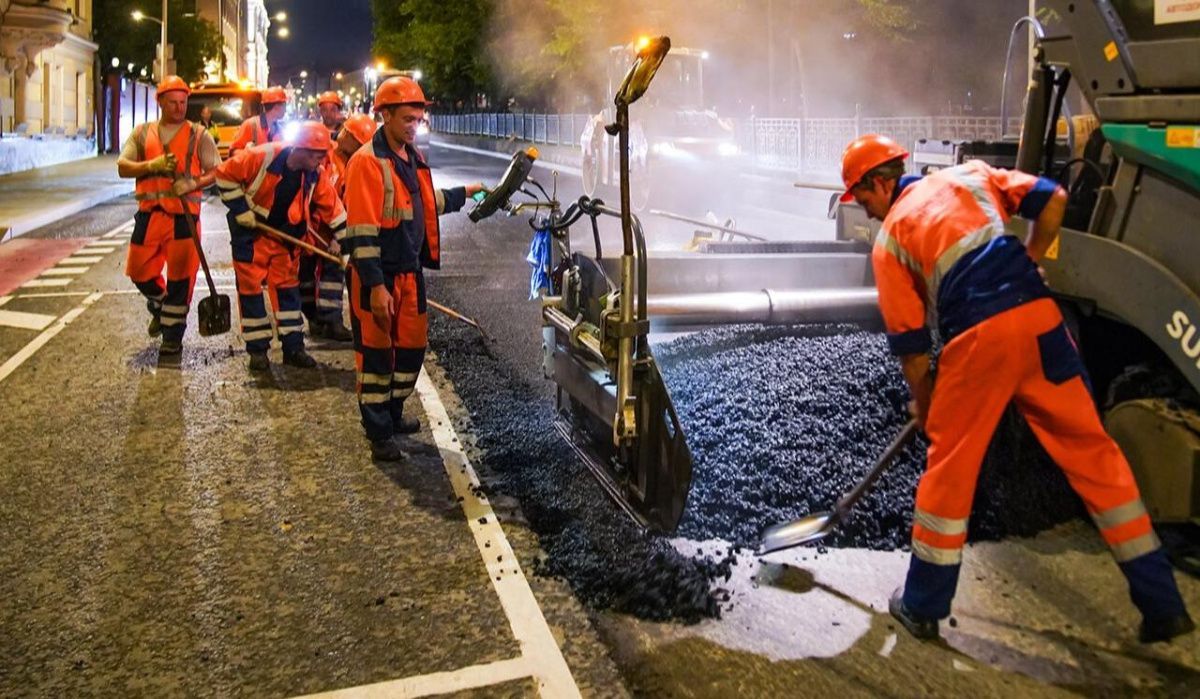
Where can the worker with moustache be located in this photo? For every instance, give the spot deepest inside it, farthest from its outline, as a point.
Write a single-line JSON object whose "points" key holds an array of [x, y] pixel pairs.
{"points": [[156, 154], [263, 128], [329, 106], [392, 233], [946, 258], [321, 281], [284, 186]]}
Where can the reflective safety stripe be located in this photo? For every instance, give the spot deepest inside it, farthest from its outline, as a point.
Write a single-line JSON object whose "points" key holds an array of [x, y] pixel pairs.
{"points": [[331, 286], [289, 329], [170, 308], [978, 188], [257, 335], [940, 525], [232, 194], [227, 184], [1138, 546], [363, 252], [338, 220], [402, 393], [327, 303], [968, 243], [405, 377], [440, 197], [389, 188], [375, 379], [172, 320], [892, 246], [255, 322], [287, 315], [1116, 516], [373, 398], [935, 555], [259, 210]]}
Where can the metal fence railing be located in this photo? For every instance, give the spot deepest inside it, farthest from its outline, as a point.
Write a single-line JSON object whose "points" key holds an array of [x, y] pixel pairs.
{"points": [[794, 145]]}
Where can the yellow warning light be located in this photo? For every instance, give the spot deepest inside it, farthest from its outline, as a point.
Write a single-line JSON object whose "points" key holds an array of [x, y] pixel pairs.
{"points": [[532, 152], [642, 42]]}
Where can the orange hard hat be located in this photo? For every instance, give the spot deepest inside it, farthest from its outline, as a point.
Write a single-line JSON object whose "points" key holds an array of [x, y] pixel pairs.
{"points": [[329, 97], [399, 90], [864, 154], [273, 95], [361, 127], [312, 135], [171, 83]]}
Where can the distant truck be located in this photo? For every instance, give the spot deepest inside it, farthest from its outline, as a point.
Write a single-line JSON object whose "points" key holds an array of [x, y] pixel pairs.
{"points": [[670, 130], [231, 104]]}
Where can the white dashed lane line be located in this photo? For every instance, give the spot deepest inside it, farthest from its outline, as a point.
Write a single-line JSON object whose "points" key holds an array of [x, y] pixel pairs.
{"points": [[80, 261]]}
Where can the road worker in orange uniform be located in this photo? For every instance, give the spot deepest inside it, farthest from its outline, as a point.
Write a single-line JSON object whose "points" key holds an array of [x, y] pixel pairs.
{"points": [[329, 106], [264, 128], [284, 186], [945, 258], [392, 233], [156, 154], [321, 281]]}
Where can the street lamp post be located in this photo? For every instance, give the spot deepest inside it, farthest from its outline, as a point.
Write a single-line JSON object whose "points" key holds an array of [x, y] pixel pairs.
{"points": [[138, 16]]}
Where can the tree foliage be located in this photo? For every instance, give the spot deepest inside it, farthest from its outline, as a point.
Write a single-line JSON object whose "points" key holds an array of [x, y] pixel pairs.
{"points": [[196, 40], [442, 40]]}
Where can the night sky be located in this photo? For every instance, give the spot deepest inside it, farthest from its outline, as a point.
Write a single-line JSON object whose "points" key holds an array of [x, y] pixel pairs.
{"points": [[326, 35]]}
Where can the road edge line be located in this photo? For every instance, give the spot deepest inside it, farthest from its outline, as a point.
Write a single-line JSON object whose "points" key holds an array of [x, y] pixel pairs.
{"points": [[14, 362], [529, 627], [472, 677]]}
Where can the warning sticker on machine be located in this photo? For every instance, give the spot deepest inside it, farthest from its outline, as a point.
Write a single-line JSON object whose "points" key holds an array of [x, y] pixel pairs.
{"points": [[1052, 251], [1171, 11], [1183, 137]]}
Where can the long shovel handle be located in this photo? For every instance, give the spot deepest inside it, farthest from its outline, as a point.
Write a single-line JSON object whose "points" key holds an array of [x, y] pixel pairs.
{"points": [[191, 224], [885, 459], [338, 261]]}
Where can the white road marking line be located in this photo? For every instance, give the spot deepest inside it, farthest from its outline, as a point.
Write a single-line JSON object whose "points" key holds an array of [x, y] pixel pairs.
{"points": [[25, 321], [45, 282], [38, 342], [119, 227], [568, 169], [110, 292], [83, 258], [5, 299], [63, 271], [472, 677], [105, 249], [520, 606]]}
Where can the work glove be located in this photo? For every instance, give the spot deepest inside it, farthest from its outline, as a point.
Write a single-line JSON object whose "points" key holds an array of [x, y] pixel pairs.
{"points": [[382, 306], [247, 220], [183, 186], [163, 164]]}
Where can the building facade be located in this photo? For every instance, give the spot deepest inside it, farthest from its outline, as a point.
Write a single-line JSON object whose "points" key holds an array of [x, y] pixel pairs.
{"points": [[244, 25], [47, 67]]}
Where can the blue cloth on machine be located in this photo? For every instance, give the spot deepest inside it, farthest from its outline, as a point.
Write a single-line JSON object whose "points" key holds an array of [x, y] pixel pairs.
{"points": [[539, 259]]}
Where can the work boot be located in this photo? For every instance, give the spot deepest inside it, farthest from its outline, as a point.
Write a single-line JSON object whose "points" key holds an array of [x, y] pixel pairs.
{"points": [[387, 450], [407, 425], [259, 361], [923, 629], [1155, 631], [154, 329], [334, 331], [169, 347], [299, 358]]}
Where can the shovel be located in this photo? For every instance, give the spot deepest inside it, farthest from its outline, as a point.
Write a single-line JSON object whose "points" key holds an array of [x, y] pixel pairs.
{"points": [[818, 526], [213, 311], [280, 235]]}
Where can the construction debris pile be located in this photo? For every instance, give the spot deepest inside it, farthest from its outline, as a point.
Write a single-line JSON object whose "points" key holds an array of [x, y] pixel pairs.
{"points": [[781, 421]]}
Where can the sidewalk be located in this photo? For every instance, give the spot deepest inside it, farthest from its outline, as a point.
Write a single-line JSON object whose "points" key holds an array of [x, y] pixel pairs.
{"points": [[34, 198]]}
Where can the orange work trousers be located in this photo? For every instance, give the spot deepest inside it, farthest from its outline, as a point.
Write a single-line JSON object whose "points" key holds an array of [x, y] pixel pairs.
{"points": [[163, 240]]}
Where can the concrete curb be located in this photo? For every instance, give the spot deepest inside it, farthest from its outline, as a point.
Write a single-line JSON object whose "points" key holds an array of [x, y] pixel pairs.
{"points": [[29, 222]]}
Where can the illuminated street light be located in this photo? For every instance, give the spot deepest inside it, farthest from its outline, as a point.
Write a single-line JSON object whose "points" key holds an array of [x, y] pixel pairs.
{"points": [[304, 74], [380, 67], [417, 75], [116, 62], [279, 17], [283, 32]]}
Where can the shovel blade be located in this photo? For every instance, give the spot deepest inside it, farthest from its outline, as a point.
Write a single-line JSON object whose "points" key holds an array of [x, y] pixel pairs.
{"points": [[214, 315], [801, 531]]}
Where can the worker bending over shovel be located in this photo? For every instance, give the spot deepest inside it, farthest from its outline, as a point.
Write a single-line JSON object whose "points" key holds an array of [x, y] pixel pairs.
{"points": [[944, 253], [278, 187]]}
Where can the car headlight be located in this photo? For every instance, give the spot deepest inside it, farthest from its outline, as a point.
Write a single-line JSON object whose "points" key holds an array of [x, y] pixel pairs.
{"points": [[727, 150], [663, 148], [290, 131]]}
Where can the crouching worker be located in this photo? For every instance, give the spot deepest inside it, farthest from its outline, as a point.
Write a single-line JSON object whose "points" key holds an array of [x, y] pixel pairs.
{"points": [[283, 186]]}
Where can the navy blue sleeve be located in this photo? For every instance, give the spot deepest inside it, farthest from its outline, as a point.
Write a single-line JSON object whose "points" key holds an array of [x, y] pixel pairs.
{"points": [[456, 198], [911, 342], [1036, 199]]}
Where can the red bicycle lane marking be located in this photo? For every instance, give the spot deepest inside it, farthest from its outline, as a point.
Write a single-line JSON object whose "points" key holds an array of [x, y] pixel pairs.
{"points": [[23, 259]]}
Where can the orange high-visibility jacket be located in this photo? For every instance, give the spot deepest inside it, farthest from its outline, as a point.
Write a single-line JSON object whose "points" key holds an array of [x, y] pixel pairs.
{"points": [[382, 236], [945, 255], [255, 132], [248, 180], [154, 191]]}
